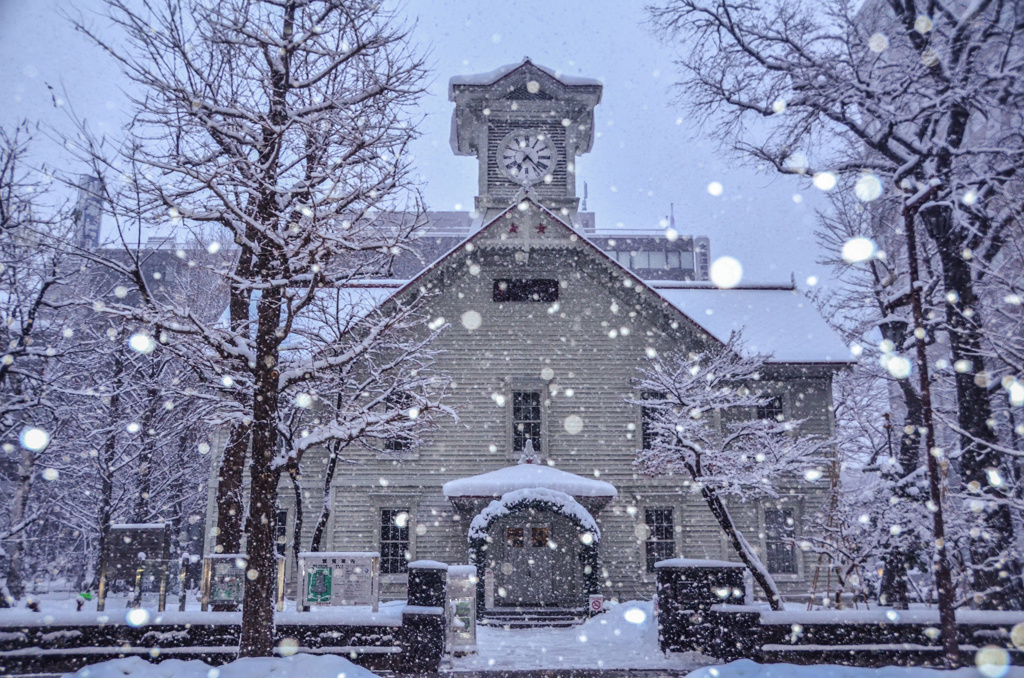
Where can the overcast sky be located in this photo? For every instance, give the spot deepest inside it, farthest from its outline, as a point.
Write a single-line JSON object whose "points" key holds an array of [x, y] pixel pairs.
{"points": [[645, 155]]}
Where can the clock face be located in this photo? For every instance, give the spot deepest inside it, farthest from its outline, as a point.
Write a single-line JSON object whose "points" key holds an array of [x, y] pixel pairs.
{"points": [[526, 157]]}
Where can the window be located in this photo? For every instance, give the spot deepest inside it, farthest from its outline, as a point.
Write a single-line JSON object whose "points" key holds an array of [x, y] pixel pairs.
{"points": [[281, 531], [394, 541], [779, 532], [526, 422], [514, 537], [658, 259], [400, 441], [673, 259], [539, 537], [771, 409], [537, 289], [661, 543], [647, 435], [641, 260]]}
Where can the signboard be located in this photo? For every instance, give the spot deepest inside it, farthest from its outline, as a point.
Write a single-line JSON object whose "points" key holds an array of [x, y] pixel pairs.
{"points": [[489, 588], [319, 584], [339, 578], [596, 603], [461, 611], [227, 581], [133, 546], [224, 576], [131, 551]]}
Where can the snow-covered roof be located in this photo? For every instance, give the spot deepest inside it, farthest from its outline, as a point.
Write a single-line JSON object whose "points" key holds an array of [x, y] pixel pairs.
{"points": [[528, 476], [491, 77], [561, 502], [696, 562], [778, 321]]}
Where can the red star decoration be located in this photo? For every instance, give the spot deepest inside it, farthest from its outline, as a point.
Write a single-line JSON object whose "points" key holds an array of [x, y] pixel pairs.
{"points": [[541, 227], [513, 229]]}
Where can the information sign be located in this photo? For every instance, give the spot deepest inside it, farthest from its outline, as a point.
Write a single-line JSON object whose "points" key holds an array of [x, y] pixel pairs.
{"points": [[319, 584], [461, 612], [339, 578], [131, 551], [227, 584]]}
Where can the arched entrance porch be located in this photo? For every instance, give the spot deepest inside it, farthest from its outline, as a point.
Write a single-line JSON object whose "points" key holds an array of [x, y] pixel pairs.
{"points": [[540, 546]]}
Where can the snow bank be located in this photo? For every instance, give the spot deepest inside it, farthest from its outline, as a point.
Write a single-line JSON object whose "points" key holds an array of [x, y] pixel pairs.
{"points": [[307, 666], [523, 476], [888, 616], [624, 637], [63, 613], [748, 669], [561, 501]]}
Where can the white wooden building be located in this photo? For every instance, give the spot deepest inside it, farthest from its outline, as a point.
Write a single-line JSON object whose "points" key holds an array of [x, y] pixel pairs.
{"points": [[547, 327]]}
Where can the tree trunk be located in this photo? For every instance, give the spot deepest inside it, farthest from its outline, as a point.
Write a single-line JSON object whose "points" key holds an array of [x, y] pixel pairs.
{"points": [[293, 473], [742, 547], [258, 605], [19, 505], [996, 567], [325, 507], [229, 490], [894, 589], [146, 452], [107, 453]]}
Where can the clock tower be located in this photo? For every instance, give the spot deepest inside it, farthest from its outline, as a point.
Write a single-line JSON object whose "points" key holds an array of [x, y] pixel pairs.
{"points": [[526, 125]]}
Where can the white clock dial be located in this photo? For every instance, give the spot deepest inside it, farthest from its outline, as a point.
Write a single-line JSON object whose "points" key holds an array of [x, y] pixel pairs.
{"points": [[526, 157]]}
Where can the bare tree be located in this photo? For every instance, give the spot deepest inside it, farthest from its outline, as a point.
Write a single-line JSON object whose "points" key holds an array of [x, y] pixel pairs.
{"points": [[697, 417], [897, 96], [284, 125], [30, 273]]}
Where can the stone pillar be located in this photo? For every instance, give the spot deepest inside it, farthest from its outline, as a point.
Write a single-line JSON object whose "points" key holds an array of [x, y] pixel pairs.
{"points": [[687, 589], [423, 621]]}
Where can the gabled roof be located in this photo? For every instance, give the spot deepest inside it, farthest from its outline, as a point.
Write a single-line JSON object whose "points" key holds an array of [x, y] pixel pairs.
{"points": [[777, 321], [492, 77]]}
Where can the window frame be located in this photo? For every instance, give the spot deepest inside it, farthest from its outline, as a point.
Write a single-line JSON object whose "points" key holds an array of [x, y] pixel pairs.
{"points": [[407, 541], [641, 439], [652, 540], [405, 500], [524, 290], [282, 530], [513, 385], [410, 450], [797, 561], [773, 409]]}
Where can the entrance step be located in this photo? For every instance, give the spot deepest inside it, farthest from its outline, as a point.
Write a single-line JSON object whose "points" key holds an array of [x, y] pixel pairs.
{"points": [[533, 617]]}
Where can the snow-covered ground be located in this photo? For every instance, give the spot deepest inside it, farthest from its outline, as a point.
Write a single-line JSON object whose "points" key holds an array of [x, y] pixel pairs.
{"points": [[624, 637], [745, 668], [307, 666]]}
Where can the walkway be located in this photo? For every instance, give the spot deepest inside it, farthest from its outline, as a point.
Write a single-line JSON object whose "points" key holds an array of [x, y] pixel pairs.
{"points": [[623, 638]]}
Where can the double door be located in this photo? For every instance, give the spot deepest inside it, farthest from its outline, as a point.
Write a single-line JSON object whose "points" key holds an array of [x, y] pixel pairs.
{"points": [[527, 571]]}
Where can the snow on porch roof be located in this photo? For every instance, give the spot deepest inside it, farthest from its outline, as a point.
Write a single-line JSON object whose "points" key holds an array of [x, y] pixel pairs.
{"points": [[526, 476]]}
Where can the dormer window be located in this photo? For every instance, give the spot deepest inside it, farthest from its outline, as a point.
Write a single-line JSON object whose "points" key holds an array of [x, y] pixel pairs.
{"points": [[532, 289]]}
